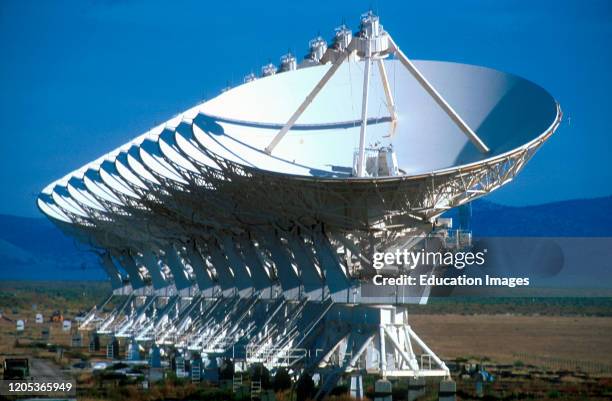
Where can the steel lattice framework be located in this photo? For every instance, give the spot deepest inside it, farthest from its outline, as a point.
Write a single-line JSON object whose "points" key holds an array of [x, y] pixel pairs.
{"points": [[221, 233]]}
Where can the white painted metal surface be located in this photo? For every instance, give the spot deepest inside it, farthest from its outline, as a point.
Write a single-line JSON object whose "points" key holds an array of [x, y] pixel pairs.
{"points": [[243, 221]]}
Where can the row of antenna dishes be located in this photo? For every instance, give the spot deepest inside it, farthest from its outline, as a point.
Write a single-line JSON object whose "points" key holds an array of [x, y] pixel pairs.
{"points": [[317, 48]]}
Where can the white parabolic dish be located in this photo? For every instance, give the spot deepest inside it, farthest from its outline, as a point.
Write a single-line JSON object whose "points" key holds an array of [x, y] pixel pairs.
{"points": [[237, 155], [506, 111]]}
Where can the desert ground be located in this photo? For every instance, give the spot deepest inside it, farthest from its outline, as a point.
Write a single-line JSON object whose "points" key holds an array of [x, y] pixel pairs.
{"points": [[543, 349], [502, 337]]}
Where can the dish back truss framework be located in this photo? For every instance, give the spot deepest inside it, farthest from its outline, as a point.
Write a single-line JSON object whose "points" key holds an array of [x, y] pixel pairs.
{"points": [[221, 234]]}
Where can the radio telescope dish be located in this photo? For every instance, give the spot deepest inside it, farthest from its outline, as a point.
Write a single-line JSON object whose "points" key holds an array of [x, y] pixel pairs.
{"points": [[506, 111], [263, 207]]}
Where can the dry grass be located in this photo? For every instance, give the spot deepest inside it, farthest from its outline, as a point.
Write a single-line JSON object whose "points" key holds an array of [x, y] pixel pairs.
{"points": [[494, 336], [499, 337]]}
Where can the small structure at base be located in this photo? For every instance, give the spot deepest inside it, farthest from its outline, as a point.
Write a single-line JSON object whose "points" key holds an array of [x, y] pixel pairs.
{"points": [[56, 316], [39, 318], [156, 374], [66, 325], [76, 340], [211, 369], [383, 390], [133, 351], [154, 357], [448, 390], [416, 388]]}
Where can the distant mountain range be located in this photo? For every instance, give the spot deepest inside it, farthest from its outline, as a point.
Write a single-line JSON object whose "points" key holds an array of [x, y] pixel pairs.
{"points": [[33, 248]]}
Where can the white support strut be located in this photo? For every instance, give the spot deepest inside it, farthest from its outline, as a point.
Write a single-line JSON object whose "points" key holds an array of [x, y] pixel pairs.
{"points": [[411, 362], [439, 99], [428, 351], [383, 351], [361, 170], [360, 351], [388, 94], [311, 96]]}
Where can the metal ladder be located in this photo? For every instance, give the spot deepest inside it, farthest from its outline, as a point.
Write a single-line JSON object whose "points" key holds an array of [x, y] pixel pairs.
{"points": [[256, 390], [195, 373], [236, 383]]}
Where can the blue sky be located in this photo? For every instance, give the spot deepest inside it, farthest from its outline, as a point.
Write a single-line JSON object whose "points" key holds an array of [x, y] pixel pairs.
{"points": [[80, 78]]}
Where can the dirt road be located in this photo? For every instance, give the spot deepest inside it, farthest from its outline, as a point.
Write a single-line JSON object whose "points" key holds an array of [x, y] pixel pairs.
{"points": [[43, 368]]}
